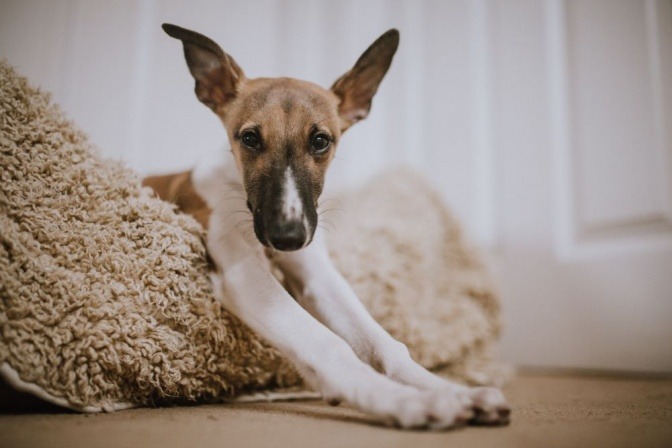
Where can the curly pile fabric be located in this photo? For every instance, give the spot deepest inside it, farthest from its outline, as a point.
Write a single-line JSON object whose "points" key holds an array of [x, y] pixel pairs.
{"points": [[105, 300]]}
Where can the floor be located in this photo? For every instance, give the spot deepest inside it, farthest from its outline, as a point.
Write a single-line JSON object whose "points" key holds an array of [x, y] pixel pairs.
{"points": [[548, 411]]}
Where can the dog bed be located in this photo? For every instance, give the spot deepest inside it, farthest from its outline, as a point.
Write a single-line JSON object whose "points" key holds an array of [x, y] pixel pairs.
{"points": [[105, 301]]}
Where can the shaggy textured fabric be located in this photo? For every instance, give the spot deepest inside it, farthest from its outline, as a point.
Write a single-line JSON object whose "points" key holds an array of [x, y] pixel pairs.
{"points": [[104, 294], [402, 251]]}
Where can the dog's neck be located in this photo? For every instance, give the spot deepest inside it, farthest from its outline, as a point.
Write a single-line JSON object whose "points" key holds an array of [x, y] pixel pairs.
{"points": [[216, 180]]}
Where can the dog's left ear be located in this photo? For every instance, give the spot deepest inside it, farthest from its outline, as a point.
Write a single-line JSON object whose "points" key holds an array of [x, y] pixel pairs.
{"points": [[357, 87], [217, 75]]}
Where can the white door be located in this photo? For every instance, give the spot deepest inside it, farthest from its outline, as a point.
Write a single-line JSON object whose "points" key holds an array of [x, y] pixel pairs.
{"points": [[586, 177]]}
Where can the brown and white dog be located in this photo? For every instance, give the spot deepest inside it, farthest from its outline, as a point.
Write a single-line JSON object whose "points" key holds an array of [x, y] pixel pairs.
{"points": [[283, 134]]}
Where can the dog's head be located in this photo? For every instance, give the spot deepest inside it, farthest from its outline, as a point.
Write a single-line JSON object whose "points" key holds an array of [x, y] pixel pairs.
{"points": [[283, 131]]}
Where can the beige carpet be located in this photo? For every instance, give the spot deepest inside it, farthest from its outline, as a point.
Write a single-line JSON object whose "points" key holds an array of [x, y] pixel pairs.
{"points": [[549, 411]]}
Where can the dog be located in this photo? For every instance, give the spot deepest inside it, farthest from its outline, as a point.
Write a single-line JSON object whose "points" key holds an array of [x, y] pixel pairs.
{"points": [[283, 133]]}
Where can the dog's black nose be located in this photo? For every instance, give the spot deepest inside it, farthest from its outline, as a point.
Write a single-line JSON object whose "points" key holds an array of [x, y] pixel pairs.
{"points": [[288, 235]]}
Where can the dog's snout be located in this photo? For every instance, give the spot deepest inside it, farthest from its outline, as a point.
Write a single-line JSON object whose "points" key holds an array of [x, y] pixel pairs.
{"points": [[287, 235]]}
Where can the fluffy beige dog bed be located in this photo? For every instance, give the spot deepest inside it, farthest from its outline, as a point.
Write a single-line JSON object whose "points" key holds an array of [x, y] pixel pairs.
{"points": [[104, 298]]}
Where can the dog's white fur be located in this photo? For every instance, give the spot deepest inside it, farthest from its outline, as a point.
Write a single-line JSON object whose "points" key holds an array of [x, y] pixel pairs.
{"points": [[292, 208], [339, 349]]}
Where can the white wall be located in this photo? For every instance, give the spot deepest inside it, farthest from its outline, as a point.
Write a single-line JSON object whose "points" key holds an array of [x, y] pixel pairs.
{"points": [[545, 125]]}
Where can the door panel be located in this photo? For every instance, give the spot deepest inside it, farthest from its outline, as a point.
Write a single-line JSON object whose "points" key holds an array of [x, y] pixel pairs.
{"points": [[587, 253]]}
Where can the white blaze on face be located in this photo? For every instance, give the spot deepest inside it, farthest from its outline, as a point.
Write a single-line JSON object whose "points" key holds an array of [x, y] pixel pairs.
{"points": [[292, 207]]}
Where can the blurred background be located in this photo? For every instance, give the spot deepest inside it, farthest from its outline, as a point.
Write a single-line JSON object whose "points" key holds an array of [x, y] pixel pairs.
{"points": [[546, 125]]}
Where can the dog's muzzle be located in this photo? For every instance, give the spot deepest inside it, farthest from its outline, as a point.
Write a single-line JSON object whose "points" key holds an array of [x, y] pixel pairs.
{"points": [[287, 235], [280, 233]]}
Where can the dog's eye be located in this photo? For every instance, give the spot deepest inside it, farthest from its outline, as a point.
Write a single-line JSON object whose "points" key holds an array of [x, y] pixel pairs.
{"points": [[320, 143], [250, 139]]}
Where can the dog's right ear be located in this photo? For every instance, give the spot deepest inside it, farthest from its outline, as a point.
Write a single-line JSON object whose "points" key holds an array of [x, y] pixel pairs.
{"points": [[216, 73], [357, 87]]}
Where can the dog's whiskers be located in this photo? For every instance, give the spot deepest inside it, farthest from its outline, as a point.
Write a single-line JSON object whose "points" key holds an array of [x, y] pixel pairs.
{"points": [[322, 223], [243, 222], [324, 228], [231, 189], [228, 214], [247, 233]]}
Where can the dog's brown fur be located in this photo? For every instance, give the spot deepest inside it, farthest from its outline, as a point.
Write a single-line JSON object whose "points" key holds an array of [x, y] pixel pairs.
{"points": [[286, 112], [179, 190]]}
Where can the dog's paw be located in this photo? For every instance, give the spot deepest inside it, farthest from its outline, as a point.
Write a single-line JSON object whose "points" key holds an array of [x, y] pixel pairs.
{"points": [[489, 406], [430, 410]]}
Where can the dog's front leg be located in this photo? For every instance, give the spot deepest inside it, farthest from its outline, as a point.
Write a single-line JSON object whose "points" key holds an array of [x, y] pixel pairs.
{"points": [[326, 361], [324, 293]]}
